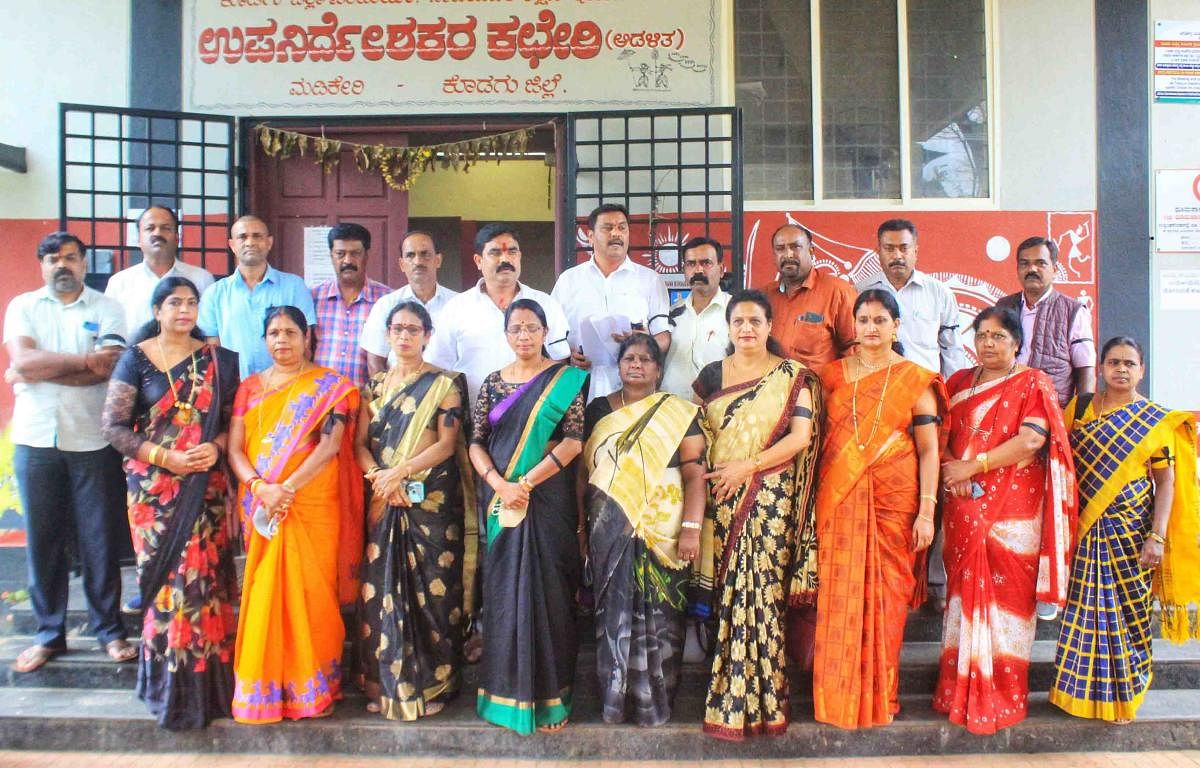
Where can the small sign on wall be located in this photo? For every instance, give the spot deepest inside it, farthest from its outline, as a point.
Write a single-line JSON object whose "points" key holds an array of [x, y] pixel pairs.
{"points": [[1177, 61], [1177, 210], [318, 267]]}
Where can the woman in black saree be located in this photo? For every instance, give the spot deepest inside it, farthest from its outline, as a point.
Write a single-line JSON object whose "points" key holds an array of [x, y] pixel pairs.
{"points": [[411, 444], [168, 407], [527, 428]]}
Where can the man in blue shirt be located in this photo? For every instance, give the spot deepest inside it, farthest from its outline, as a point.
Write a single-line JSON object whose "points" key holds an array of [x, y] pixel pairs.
{"points": [[232, 310]]}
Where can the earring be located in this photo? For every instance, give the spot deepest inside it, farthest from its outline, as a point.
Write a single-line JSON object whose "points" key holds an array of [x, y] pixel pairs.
{"points": [[895, 337]]}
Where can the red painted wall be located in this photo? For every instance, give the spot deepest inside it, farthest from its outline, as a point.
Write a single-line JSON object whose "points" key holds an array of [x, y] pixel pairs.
{"points": [[19, 272]]}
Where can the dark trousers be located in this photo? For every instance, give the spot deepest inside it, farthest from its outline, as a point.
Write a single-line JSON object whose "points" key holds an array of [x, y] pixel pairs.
{"points": [[67, 493]]}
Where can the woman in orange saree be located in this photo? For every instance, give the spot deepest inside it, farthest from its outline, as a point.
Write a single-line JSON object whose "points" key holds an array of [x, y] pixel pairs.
{"points": [[1008, 518], [291, 447], [875, 512]]}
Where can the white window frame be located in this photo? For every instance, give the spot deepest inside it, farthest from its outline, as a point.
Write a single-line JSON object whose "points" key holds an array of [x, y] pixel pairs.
{"points": [[906, 201]]}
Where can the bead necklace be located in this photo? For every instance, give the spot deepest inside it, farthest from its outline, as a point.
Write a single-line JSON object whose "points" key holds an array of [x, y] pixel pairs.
{"points": [[862, 444], [266, 390], [184, 407]]}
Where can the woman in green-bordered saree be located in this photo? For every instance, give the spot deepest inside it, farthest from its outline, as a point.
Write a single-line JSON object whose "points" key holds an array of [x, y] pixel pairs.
{"points": [[527, 428]]}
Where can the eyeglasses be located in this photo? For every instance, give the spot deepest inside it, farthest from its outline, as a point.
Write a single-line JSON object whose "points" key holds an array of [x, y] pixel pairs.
{"points": [[533, 329], [412, 330]]}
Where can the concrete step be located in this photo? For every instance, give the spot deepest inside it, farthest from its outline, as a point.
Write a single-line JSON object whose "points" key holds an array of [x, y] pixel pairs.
{"points": [[113, 721], [85, 666]]}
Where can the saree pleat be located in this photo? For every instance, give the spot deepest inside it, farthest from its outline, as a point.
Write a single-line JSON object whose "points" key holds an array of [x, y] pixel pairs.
{"points": [[411, 610], [288, 662], [1004, 551], [634, 501], [867, 502], [749, 552], [1104, 654], [531, 568], [185, 669]]}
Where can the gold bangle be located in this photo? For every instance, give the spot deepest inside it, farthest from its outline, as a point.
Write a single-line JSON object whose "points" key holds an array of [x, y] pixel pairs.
{"points": [[929, 496], [758, 462], [1156, 536], [288, 487], [982, 458], [152, 453], [523, 481], [926, 518], [253, 484]]}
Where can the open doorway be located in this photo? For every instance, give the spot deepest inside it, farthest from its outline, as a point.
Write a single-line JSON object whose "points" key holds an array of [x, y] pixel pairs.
{"points": [[298, 199]]}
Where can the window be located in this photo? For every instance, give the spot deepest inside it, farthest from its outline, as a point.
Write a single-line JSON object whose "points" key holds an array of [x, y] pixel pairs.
{"points": [[903, 99]]}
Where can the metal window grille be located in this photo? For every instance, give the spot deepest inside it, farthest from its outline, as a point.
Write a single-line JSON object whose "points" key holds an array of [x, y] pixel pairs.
{"points": [[679, 172], [115, 162]]}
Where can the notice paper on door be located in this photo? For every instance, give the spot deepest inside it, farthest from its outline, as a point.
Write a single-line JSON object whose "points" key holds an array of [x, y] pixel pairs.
{"points": [[318, 267]]}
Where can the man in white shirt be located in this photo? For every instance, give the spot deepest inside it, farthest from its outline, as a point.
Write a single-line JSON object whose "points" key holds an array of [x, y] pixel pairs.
{"points": [[68, 477], [158, 237], [471, 337], [420, 260], [928, 309], [699, 332], [611, 284]]}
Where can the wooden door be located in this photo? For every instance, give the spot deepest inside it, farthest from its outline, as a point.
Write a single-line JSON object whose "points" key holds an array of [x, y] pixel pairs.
{"points": [[296, 193]]}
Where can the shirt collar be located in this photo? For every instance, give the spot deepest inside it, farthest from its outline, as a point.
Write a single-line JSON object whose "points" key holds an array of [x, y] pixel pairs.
{"points": [[720, 300], [624, 266], [168, 273], [268, 277], [44, 293], [1045, 296], [481, 287]]}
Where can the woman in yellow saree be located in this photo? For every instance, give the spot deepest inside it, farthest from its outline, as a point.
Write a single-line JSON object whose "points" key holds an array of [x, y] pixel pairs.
{"points": [[1136, 466], [291, 447], [758, 546]]}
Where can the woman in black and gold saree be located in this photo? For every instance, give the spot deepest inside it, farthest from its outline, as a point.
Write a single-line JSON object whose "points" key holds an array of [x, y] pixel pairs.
{"points": [[526, 430], [758, 547], [411, 444], [643, 491]]}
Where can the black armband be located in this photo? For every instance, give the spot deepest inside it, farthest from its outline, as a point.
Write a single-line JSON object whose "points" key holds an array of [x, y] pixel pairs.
{"points": [[921, 419], [1036, 428], [554, 458], [332, 420], [802, 412]]}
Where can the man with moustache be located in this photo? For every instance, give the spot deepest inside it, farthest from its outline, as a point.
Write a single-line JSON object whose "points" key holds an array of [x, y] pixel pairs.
{"points": [[68, 477], [611, 284], [420, 260], [699, 333], [929, 333], [928, 310], [812, 311], [1058, 329], [344, 303], [158, 238], [232, 311], [471, 338]]}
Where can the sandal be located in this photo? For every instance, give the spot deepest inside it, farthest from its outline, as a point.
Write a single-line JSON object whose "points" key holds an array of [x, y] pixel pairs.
{"points": [[121, 651], [554, 727], [434, 708], [473, 649], [373, 707], [34, 658]]}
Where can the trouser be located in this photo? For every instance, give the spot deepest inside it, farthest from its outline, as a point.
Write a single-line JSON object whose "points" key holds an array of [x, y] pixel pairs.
{"points": [[79, 492]]}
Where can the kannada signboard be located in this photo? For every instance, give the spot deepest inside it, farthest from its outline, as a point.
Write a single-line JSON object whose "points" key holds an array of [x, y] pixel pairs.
{"points": [[1177, 61], [265, 57], [1177, 210]]}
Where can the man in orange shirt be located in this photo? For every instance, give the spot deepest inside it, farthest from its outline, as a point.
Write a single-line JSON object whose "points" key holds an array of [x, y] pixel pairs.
{"points": [[813, 315]]}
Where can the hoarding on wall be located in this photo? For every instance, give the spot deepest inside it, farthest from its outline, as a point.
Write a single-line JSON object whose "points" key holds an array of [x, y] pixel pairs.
{"points": [[265, 57], [1177, 61], [973, 252]]}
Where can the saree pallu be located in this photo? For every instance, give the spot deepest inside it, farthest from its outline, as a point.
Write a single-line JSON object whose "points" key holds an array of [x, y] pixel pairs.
{"points": [[758, 551], [634, 502], [185, 669], [411, 606], [289, 644], [531, 567], [1004, 551], [1103, 660], [867, 502]]}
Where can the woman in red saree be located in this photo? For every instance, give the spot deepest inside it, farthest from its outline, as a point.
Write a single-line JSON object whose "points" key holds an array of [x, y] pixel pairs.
{"points": [[1009, 513], [291, 447], [875, 510]]}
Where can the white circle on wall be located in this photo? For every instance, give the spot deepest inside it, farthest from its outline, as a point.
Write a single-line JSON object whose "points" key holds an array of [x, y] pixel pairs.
{"points": [[998, 248]]}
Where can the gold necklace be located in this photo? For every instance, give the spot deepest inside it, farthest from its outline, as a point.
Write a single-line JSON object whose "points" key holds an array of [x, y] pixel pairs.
{"points": [[388, 380], [862, 444], [185, 408], [267, 389], [867, 366], [621, 392]]}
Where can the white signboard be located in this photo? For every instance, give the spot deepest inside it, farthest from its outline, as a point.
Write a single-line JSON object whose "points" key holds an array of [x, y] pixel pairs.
{"points": [[418, 56], [1177, 61], [318, 266], [1179, 289], [1177, 211]]}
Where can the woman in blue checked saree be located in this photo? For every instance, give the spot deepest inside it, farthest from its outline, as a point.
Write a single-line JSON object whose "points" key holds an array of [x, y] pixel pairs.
{"points": [[1136, 465]]}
